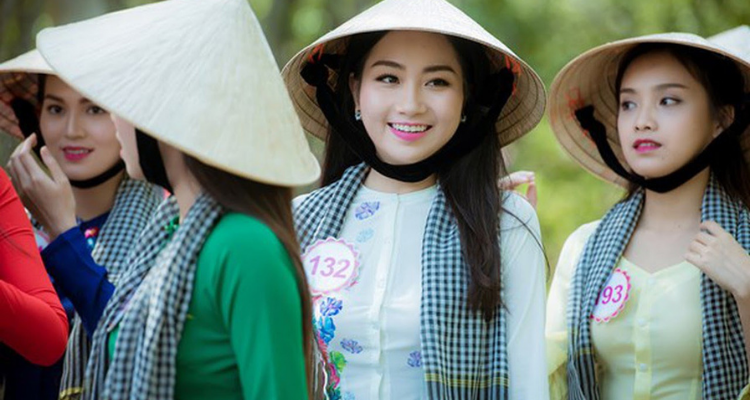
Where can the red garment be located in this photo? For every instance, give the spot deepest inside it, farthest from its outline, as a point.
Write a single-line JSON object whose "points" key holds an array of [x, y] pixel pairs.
{"points": [[32, 320]]}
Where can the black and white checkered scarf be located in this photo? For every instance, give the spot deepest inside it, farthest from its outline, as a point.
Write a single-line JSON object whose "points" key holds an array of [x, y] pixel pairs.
{"points": [[135, 202], [150, 306], [724, 360], [463, 356]]}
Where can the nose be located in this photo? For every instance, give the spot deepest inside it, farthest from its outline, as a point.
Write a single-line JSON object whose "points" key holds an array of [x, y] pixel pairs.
{"points": [[73, 128], [644, 120], [411, 101]]}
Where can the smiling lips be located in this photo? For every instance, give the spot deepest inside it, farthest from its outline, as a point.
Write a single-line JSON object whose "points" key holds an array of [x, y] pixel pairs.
{"points": [[409, 131], [642, 146], [74, 153]]}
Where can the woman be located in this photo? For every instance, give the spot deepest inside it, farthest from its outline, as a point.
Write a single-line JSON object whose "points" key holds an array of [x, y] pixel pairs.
{"points": [[427, 281], [215, 303], [33, 323], [86, 213], [652, 301]]}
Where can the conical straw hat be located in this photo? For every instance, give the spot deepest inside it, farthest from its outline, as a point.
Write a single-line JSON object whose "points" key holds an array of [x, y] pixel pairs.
{"points": [[19, 80], [590, 80], [523, 111], [196, 74], [736, 39]]}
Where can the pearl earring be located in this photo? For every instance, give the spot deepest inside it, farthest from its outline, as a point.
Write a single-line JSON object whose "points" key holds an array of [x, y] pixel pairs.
{"points": [[358, 115]]}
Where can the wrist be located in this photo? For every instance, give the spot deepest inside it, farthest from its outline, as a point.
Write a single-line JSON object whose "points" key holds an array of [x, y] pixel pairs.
{"points": [[58, 229]]}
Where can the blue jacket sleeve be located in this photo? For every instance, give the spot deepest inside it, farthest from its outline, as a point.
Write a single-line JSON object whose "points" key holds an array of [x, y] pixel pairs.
{"points": [[68, 259]]}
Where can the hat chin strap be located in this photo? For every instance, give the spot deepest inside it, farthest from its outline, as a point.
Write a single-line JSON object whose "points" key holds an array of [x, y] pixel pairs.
{"points": [[150, 160], [669, 182], [469, 135], [28, 123], [101, 178]]}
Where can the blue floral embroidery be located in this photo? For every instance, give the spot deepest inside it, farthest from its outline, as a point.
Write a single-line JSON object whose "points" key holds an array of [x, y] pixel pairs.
{"points": [[415, 359], [365, 235], [366, 209], [351, 346], [326, 329], [330, 306]]}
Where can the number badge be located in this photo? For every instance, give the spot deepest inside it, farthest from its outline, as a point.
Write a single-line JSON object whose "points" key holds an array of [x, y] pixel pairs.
{"points": [[613, 297], [331, 265]]}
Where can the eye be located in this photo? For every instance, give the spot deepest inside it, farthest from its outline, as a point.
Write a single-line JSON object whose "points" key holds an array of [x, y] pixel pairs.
{"points": [[54, 109], [669, 101], [387, 79], [438, 82], [626, 105], [95, 110]]}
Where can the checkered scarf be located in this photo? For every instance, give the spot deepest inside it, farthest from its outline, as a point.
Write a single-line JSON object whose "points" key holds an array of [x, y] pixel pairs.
{"points": [[135, 202], [724, 361], [463, 357], [150, 306]]}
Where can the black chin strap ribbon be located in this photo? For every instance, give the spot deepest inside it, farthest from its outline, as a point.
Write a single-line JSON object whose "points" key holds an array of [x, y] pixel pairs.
{"points": [[482, 115], [669, 182], [150, 160], [28, 122]]}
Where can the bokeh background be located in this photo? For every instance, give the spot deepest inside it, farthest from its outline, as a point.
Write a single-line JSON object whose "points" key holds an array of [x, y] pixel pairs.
{"points": [[545, 33]]}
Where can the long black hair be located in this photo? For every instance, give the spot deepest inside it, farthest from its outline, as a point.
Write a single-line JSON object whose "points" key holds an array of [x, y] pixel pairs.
{"points": [[469, 182], [724, 83]]}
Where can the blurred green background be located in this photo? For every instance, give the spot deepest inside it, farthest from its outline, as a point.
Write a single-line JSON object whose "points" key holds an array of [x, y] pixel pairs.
{"points": [[545, 33]]}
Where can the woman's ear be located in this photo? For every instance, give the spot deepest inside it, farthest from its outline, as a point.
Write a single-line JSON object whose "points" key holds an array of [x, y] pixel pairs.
{"points": [[724, 118], [354, 85]]}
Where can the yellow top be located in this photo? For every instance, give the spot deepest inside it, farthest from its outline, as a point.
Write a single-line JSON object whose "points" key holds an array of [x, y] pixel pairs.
{"points": [[652, 348]]}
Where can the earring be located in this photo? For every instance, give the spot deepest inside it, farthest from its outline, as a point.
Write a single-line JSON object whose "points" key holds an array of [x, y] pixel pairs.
{"points": [[358, 115], [463, 118]]}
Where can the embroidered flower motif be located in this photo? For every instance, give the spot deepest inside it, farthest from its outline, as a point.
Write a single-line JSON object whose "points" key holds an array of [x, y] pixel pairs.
{"points": [[366, 210], [326, 329], [415, 359], [330, 306], [351, 346], [365, 235]]}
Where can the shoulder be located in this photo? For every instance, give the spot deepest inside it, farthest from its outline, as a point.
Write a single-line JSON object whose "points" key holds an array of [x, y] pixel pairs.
{"points": [[239, 233], [243, 252], [577, 240], [300, 199], [518, 213]]}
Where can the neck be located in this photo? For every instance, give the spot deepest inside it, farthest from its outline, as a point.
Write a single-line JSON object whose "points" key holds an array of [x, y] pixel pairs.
{"points": [[186, 191], [677, 209], [95, 201], [382, 183]]}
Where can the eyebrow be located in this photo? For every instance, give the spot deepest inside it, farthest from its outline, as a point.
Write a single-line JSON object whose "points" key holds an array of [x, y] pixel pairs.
{"points": [[659, 87], [428, 69], [59, 99]]}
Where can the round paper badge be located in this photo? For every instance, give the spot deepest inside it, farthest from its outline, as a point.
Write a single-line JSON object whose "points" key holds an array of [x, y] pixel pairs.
{"points": [[330, 265], [613, 297]]}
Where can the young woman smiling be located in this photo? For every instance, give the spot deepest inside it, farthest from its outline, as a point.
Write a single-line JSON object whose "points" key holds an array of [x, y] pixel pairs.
{"points": [[427, 281], [86, 211], [653, 300]]}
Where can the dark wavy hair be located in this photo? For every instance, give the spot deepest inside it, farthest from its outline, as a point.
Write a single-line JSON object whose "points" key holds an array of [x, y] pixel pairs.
{"points": [[724, 83], [469, 182]]}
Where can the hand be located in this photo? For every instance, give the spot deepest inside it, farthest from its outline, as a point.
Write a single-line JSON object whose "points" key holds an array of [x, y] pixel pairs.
{"points": [[516, 179], [718, 255], [49, 198]]}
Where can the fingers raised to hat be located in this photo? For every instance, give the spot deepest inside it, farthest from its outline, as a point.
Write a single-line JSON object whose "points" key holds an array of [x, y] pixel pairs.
{"points": [[37, 177], [19, 174], [531, 194], [54, 168]]}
